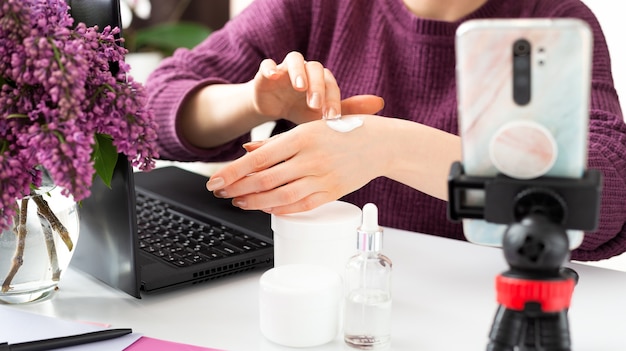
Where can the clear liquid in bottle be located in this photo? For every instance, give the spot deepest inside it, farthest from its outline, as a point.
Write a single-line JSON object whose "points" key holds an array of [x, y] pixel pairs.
{"points": [[367, 319]]}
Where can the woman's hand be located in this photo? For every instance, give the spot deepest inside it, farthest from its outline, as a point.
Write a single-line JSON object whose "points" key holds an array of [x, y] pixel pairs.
{"points": [[303, 91], [296, 90], [313, 164], [303, 168]]}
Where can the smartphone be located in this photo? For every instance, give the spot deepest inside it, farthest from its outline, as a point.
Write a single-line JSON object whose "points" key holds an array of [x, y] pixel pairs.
{"points": [[523, 88]]}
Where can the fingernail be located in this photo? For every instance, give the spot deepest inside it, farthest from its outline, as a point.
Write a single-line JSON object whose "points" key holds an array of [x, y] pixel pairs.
{"points": [[299, 82], [215, 183], [251, 143], [315, 101], [270, 72], [240, 203], [221, 193], [331, 113]]}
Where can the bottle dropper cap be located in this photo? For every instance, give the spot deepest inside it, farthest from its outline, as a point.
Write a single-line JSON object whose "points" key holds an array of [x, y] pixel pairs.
{"points": [[369, 234]]}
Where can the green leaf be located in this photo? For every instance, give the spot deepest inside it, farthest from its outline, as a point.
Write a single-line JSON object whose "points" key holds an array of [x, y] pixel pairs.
{"points": [[168, 37], [105, 157]]}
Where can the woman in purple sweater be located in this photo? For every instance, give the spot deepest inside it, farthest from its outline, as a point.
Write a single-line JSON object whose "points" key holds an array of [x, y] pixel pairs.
{"points": [[208, 99]]}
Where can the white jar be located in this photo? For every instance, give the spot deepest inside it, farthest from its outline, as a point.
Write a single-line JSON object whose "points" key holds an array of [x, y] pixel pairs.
{"points": [[300, 305], [322, 236]]}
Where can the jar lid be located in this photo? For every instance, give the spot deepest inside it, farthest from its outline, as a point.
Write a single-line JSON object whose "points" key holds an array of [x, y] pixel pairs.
{"points": [[302, 285], [325, 222]]}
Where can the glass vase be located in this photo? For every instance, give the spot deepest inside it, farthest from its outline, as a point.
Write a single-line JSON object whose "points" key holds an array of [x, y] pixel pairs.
{"points": [[37, 249]]}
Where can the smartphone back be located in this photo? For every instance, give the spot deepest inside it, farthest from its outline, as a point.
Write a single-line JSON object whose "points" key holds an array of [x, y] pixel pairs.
{"points": [[523, 88]]}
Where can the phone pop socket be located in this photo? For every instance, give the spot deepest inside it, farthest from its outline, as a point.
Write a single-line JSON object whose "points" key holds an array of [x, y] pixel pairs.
{"points": [[523, 149]]}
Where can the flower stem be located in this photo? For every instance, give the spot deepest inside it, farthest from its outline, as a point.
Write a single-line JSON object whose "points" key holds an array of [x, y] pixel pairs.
{"points": [[18, 256], [43, 209], [50, 245]]}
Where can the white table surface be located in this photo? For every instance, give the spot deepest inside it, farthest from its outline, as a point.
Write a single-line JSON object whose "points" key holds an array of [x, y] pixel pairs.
{"points": [[443, 299]]}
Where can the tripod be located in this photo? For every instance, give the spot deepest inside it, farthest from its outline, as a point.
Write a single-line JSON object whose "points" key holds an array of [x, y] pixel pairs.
{"points": [[534, 294]]}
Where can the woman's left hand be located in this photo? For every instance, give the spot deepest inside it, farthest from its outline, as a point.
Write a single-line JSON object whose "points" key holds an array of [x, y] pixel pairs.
{"points": [[303, 168]]}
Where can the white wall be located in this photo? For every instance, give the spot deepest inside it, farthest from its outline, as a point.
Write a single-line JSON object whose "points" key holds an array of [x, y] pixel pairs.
{"points": [[237, 5]]}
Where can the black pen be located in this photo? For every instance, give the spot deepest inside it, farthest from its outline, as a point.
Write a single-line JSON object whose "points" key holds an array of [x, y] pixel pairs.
{"points": [[66, 341]]}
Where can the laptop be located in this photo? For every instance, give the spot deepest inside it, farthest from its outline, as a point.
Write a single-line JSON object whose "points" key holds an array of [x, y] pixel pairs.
{"points": [[161, 230]]}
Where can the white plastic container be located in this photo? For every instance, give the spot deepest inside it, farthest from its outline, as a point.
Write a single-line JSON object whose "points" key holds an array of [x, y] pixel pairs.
{"points": [[300, 305], [322, 236]]}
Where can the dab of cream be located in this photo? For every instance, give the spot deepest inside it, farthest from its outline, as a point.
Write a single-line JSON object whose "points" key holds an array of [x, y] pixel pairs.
{"points": [[344, 124]]}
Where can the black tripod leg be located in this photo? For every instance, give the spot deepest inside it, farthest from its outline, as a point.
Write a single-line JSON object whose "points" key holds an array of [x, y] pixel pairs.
{"points": [[531, 342], [506, 330], [553, 332], [549, 332]]}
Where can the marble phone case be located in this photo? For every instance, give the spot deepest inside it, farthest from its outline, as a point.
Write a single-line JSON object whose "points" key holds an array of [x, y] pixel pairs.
{"points": [[548, 135]]}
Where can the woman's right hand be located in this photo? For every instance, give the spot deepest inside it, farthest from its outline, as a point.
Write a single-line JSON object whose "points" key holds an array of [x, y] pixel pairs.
{"points": [[303, 91], [295, 90]]}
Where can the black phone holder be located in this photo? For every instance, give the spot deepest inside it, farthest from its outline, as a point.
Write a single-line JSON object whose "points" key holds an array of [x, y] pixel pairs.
{"points": [[534, 294]]}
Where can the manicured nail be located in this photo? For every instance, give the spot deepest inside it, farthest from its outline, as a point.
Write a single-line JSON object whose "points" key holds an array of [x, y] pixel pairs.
{"points": [[240, 203], [215, 183], [251, 143], [299, 82], [315, 101], [331, 113]]}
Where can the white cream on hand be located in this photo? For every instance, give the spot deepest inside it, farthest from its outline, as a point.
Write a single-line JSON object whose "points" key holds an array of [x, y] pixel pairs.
{"points": [[344, 124]]}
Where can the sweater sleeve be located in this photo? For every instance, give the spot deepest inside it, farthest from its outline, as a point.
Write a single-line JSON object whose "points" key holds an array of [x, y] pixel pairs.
{"points": [[606, 151], [265, 29]]}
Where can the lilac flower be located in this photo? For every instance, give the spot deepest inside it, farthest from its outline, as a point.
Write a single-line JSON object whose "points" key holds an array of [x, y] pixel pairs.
{"points": [[57, 93]]}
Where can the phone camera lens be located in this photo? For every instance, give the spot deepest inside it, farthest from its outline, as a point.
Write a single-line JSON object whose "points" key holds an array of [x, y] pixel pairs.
{"points": [[521, 72], [521, 47]]}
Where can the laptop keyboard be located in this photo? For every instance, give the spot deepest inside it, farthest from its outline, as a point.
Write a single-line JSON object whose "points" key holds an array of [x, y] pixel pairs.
{"points": [[183, 241]]}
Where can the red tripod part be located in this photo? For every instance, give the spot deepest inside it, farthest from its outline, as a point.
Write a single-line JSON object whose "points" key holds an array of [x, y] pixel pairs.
{"points": [[551, 295]]}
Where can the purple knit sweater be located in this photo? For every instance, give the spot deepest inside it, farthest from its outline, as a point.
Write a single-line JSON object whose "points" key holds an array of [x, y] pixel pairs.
{"points": [[379, 47]]}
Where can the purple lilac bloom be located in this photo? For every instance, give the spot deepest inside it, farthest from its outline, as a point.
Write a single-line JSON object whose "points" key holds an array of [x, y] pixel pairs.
{"points": [[56, 94]]}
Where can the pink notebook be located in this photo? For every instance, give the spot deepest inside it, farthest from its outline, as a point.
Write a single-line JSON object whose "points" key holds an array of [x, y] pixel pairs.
{"points": [[151, 344]]}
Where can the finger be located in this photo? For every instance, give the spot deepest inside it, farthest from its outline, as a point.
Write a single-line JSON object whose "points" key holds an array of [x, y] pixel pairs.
{"points": [[308, 203], [317, 84], [249, 163], [297, 73], [295, 194], [268, 68], [362, 104], [253, 145], [264, 181], [332, 101]]}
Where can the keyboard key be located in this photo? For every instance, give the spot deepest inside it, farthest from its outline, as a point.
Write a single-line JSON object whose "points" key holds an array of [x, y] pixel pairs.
{"points": [[241, 245]]}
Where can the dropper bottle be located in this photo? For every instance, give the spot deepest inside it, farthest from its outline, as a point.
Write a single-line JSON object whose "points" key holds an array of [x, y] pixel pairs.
{"points": [[367, 309]]}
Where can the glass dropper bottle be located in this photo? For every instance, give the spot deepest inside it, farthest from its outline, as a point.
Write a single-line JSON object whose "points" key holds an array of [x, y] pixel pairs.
{"points": [[367, 310]]}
